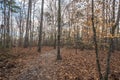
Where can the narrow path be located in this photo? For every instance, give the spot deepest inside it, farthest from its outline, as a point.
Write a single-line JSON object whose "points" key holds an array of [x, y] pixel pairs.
{"points": [[41, 68]]}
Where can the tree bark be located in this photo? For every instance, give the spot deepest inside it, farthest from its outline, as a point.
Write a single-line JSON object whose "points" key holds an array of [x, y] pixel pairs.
{"points": [[4, 23], [95, 43], [111, 43], [59, 30], [30, 22], [41, 25], [26, 42], [33, 24]]}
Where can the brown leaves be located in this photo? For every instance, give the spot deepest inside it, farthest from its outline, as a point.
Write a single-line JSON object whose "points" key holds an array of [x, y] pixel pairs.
{"points": [[81, 66], [74, 66]]}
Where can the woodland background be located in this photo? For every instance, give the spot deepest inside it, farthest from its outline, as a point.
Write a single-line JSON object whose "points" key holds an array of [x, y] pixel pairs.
{"points": [[80, 39]]}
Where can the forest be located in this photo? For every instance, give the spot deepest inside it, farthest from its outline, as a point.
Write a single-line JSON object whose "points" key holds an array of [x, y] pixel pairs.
{"points": [[59, 39]]}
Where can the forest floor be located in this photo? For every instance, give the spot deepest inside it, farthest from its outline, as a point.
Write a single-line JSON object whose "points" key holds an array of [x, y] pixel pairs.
{"points": [[28, 64]]}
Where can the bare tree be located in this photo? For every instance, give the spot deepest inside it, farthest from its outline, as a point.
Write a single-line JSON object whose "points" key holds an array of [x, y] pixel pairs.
{"points": [[33, 25], [26, 42], [95, 43], [4, 23], [59, 30], [111, 39], [40, 29]]}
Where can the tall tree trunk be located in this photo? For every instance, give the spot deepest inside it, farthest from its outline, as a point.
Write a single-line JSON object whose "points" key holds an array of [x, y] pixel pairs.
{"points": [[8, 26], [1, 29], [106, 20], [23, 24], [111, 42], [30, 25], [113, 20], [4, 23], [41, 25], [11, 31], [59, 30], [115, 25], [26, 42], [20, 28], [103, 21], [55, 38], [103, 16], [95, 43], [33, 24]]}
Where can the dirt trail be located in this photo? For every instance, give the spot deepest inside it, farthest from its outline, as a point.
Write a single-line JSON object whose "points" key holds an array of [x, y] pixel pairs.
{"points": [[41, 68]]}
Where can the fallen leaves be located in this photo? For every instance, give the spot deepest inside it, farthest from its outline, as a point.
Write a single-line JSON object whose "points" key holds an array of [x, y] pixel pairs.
{"points": [[82, 66]]}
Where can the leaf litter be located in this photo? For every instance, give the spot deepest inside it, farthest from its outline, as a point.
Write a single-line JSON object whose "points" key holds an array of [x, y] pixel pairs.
{"points": [[31, 65]]}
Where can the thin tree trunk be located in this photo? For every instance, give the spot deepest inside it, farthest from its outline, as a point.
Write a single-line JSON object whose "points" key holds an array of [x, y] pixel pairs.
{"points": [[33, 24], [11, 31], [26, 42], [4, 23], [113, 20], [59, 30], [103, 22], [30, 25], [8, 26], [23, 24], [95, 43], [55, 38], [20, 25], [41, 25], [103, 16], [1, 28], [106, 20], [111, 43]]}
